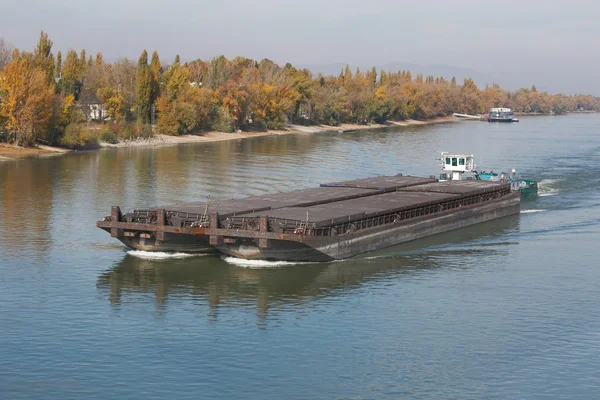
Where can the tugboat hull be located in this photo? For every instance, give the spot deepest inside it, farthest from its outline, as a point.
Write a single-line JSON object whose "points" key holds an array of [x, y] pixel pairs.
{"points": [[503, 120]]}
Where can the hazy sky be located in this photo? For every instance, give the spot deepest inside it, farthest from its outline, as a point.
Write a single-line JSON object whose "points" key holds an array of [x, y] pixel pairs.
{"points": [[553, 44]]}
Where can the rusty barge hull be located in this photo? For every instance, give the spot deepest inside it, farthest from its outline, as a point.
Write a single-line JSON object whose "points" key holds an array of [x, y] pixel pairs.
{"points": [[294, 248], [169, 228], [335, 221]]}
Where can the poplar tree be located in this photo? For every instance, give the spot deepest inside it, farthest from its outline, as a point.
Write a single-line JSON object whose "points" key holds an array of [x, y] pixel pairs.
{"points": [[155, 68], [58, 69], [43, 57], [144, 89], [72, 75]]}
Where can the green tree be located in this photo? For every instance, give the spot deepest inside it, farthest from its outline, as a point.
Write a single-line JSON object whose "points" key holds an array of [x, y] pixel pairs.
{"points": [[58, 69], [144, 89], [155, 68], [72, 72]]}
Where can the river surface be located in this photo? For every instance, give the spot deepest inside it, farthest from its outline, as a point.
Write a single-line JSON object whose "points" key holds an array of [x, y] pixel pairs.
{"points": [[506, 309]]}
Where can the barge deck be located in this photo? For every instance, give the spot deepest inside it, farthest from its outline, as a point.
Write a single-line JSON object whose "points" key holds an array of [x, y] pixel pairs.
{"points": [[334, 221]]}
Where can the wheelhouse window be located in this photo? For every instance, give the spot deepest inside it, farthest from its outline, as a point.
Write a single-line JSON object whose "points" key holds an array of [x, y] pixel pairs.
{"points": [[454, 162], [461, 161]]}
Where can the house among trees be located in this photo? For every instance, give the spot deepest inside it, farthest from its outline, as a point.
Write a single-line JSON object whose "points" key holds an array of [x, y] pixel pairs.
{"points": [[96, 113]]}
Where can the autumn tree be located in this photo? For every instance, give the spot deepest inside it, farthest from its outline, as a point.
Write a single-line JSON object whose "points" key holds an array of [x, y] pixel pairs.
{"points": [[5, 53], [470, 98], [218, 73], [94, 78], [182, 107], [329, 104], [122, 76], [114, 85], [198, 71], [26, 103], [228, 95], [114, 103], [43, 57]]}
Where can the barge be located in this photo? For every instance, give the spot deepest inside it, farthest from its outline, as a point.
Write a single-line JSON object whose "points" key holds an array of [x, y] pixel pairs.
{"points": [[334, 221]]}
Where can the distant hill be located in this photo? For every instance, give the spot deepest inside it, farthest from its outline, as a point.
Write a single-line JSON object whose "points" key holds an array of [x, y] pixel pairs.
{"points": [[447, 71]]}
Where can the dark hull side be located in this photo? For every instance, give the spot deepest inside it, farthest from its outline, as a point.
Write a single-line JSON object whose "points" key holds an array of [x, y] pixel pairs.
{"points": [[502, 120], [529, 193], [335, 248], [173, 243]]}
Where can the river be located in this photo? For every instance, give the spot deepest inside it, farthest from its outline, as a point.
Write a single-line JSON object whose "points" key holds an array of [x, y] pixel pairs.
{"points": [[505, 309]]}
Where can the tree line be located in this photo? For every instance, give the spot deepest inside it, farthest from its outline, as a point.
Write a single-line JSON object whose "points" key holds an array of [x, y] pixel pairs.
{"points": [[52, 99]]}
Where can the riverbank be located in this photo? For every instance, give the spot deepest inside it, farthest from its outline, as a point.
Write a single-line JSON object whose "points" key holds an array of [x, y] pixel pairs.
{"points": [[10, 152], [212, 136]]}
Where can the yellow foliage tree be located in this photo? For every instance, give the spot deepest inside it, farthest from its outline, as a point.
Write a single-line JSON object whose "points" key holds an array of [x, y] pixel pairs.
{"points": [[26, 103], [182, 106], [114, 103]]}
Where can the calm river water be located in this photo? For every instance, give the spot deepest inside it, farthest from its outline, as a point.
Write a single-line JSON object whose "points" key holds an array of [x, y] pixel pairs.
{"points": [[506, 309]]}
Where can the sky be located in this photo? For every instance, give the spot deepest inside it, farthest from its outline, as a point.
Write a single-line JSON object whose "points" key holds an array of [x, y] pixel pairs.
{"points": [[550, 43]]}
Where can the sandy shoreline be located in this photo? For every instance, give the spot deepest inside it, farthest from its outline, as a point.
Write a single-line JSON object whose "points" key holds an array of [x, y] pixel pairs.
{"points": [[10, 152], [205, 137]]}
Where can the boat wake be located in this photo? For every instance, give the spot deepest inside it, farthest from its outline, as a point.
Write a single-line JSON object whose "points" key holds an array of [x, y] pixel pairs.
{"points": [[547, 187], [240, 262], [531, 211], [154, 255]]}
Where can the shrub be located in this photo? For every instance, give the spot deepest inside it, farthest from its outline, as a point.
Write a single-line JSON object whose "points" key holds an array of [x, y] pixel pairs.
{"points": [[3, 134], [260, 125], [78, 136], [127, 131], [223, 122], [143, 130], [108, 135]]}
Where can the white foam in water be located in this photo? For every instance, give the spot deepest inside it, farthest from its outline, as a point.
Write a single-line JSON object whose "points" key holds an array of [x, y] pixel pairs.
{"points": [[546, 187], [155, 255], [239, 262], [531, 211]]}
